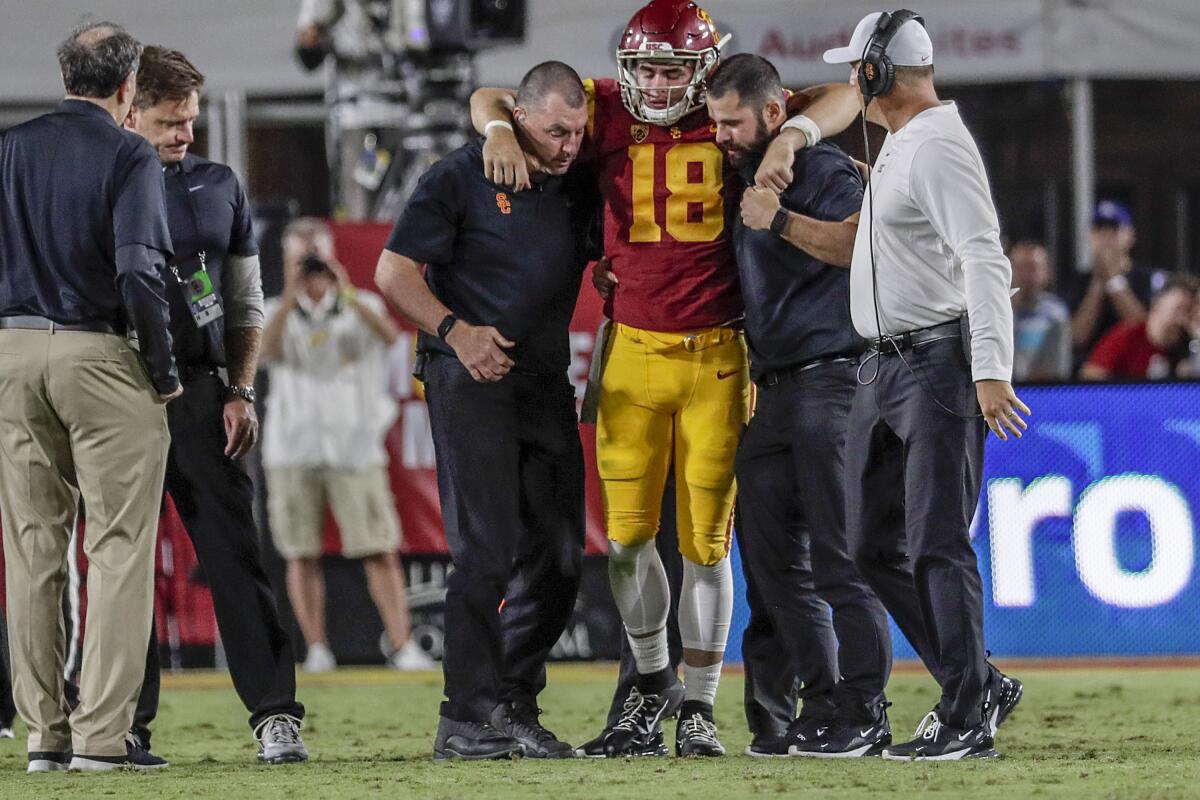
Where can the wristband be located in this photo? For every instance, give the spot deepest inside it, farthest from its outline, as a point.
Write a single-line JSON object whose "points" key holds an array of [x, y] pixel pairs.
{"points": [[1117, 283], [812, 133], [779, 222], [497, 123], [447, 323]]}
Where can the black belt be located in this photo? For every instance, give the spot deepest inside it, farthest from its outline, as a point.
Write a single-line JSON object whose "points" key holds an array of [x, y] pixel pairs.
{"points": [[900, 342], [776, 375], [33, 323], [188, 373]]}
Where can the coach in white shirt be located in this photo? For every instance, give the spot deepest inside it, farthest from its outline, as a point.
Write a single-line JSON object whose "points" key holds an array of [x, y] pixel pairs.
{"points": [[929, 289]]}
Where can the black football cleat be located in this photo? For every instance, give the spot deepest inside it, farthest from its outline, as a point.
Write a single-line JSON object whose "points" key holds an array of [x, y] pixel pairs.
{"points": [[935, 741], [520, 721], [473, 741], [653, 747], [696, 736], [641, 719]]}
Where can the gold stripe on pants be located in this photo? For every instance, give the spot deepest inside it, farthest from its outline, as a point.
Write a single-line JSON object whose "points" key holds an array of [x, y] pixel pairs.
{"points": [[78, 417]]}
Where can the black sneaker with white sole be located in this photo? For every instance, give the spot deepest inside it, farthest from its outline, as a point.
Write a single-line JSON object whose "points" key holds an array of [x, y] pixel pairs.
{"points": [[846, 739], [46, 761], [1004, 694], [696, 733], [473, 741], [137, 750], [768, 745], [654, 747], [936, 741], [521, 722], [641, 718]]}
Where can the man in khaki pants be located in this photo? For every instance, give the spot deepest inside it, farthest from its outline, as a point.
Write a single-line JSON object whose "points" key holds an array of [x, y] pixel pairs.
{"points": [[83, 233]]}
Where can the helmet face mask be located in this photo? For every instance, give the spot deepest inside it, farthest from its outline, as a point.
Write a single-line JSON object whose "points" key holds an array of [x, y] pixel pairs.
{"points": [[667, 33]]}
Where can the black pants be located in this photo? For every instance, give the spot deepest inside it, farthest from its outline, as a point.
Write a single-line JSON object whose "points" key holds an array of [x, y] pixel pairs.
{"points": [[913, 473], [510, 477], [8, 711], [791, 496], [214, 498]]}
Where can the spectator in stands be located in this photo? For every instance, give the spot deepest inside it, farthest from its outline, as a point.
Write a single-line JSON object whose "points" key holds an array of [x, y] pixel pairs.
{"points": [[327, 414], [1042, 323], [1117, 290], [1148, 349]]}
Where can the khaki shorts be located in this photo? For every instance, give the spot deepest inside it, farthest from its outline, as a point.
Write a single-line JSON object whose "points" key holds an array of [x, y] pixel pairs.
{"points": [[362, 504]]}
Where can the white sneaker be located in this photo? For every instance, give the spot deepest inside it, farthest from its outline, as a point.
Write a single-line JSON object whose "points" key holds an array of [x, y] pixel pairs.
{"points": [[410, 658], [7, 733], [279, 740], [319, 659]]}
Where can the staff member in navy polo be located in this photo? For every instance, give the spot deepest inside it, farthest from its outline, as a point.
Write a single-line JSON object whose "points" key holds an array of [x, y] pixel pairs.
{"points": [[83, 232], [793, 251], [215, 292], [503, 276], [929, 286]]}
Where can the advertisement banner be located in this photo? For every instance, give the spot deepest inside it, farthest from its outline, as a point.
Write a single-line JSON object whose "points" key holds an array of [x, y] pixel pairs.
{"points": [[1085, 532]]}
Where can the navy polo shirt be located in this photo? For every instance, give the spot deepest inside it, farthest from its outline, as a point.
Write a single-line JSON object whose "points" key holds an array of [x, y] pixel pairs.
{"points": [[208, 213], [509, 260], [798, 308], [75, 187]]}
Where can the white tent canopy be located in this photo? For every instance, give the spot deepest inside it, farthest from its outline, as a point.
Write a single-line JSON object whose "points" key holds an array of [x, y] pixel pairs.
{"points": [[246, 45]]}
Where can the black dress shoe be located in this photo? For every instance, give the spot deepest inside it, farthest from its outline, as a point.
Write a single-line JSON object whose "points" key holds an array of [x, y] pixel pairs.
{"points": [[473, 741], [521, 721]]}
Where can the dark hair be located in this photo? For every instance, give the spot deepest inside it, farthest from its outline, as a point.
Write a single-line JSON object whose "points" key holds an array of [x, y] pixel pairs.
{"points": [[1179, 280], [97, 58], [165, 75], [551, 77], [913, 74], [753, 77]]}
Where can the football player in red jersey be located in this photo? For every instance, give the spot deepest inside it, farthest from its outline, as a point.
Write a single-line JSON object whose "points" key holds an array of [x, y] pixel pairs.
{"points": [[675, 386]]}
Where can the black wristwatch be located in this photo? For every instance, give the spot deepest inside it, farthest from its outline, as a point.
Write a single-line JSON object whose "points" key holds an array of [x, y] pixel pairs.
{"points": [[779, 222], [444, 328], [247, 393]]}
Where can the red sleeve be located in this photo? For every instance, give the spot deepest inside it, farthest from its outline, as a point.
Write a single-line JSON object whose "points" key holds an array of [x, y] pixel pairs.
{"points": [[1110, 349]]}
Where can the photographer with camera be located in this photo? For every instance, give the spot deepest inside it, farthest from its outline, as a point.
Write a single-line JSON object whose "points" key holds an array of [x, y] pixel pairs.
{"points": [[327, 415]]}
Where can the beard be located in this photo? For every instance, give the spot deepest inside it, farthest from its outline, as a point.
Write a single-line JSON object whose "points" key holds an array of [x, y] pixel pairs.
{"points": [[739, 154]]}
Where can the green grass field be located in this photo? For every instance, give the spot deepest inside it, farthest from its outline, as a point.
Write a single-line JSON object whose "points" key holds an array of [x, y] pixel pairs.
{"points": [[1088, 732]]}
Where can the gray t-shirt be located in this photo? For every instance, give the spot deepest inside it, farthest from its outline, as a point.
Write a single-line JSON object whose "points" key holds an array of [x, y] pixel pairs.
{"points": [[1042, 339]]}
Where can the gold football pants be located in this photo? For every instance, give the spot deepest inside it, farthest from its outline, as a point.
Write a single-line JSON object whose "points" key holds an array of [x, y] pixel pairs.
{"points": [[672, 398]]}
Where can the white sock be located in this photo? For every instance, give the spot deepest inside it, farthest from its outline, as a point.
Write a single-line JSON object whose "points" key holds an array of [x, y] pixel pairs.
{"points": [[700, 683], [640, 589], [705, 609]]}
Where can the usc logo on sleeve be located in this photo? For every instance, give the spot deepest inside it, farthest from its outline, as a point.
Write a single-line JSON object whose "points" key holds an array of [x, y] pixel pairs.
{"points": [[503, 203]]}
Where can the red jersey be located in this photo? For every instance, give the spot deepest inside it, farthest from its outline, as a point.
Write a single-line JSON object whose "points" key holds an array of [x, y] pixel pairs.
{"points": [[1127, 352], [665, 228]]}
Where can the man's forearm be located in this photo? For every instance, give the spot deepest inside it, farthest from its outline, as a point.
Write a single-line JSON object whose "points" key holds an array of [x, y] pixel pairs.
{"points": [[382, 327], [832, 106], [399, 279], [491, 104], [145, 305], [828, 242], [1083, 321], [272, 336], [241, 351], [1127, 305]]}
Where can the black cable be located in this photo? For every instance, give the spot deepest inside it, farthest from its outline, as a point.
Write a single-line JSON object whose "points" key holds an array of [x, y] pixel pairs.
{"points": [[876, 351]]}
